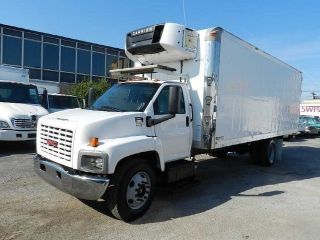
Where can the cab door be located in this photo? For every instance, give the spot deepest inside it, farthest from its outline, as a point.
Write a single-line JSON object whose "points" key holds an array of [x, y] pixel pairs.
{"points": [[174, 134]]}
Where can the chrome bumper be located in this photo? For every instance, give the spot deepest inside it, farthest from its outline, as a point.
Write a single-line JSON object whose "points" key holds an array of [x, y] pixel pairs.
{"points": [[81, 186]]}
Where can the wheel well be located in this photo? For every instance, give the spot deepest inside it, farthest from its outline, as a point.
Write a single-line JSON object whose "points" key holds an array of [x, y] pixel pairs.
{"points": [[152, 158]]}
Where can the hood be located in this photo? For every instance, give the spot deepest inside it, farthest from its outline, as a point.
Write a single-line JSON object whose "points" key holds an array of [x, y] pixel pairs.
{"points": [[101, 124], [17, 110]]}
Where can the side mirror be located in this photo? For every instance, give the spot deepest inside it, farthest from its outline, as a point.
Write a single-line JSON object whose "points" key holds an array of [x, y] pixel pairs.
{"points": [[173, 99], [91, 96], [44, 101]]}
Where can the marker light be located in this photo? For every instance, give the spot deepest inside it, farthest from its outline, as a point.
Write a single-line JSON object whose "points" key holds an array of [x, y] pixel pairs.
{"points": [[94, 142]]}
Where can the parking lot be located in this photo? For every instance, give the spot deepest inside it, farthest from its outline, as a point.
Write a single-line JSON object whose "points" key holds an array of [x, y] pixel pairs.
{"points": [[230, 199]]}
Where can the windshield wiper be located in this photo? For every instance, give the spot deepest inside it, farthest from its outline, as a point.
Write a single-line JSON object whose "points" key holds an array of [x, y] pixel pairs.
{"points": [[109, 108]]}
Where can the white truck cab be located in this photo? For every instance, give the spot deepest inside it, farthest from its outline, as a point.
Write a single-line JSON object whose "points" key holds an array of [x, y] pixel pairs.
{"points": [[19, 105], [55, 102], [190, 92]]}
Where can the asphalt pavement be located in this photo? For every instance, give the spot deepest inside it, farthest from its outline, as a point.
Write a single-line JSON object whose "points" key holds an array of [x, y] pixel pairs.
{"points": [[229, 199]]}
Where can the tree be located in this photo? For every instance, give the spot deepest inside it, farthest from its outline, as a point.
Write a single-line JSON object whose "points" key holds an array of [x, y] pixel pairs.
{"points": [[81, 89]]}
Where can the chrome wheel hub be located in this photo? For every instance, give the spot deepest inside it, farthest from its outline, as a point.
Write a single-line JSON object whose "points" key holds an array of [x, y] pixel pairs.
{"points": [[138, 190]]}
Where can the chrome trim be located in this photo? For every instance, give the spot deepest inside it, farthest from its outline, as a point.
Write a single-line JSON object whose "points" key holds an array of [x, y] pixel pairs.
{"points": [[81, 186]]}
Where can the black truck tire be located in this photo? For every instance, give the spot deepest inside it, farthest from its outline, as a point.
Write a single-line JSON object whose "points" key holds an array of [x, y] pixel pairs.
{"points": [[266, 152], [132, 190]]}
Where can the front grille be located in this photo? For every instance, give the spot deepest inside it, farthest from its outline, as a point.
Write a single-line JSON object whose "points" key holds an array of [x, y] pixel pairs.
{"points": [[22, 123], [56, 142]]}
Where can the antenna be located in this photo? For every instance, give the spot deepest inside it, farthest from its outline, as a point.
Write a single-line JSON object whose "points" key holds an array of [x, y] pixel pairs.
{"points": [[184, 13]]}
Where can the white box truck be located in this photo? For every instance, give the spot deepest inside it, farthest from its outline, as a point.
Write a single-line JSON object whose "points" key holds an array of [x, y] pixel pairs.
{"points": [[190, 92], [20, 108]]}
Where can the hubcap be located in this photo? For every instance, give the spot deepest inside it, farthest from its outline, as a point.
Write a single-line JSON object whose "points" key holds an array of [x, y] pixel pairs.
{"points": [[138, 190]]}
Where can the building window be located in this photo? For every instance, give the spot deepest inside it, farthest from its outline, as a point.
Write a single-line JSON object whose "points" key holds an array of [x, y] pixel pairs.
{"points": [[68, 61], [50, 76], [98, 64], [124, 63], [34, 74], [32, 54], [67, 77], [12, 49], [81, 78], [50, 56], [112, 62], [83, 61]]}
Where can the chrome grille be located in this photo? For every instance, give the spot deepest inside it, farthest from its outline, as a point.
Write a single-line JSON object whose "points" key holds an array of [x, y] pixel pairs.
{"points": [[56, 142], [22, 123]]}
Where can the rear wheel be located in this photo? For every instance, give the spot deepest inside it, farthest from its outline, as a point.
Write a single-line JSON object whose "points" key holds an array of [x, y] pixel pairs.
{"points": [[133, 190], [266, 152]]}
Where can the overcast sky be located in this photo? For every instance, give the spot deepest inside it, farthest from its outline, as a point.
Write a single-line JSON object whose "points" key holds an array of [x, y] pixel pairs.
{"points": [[287, 29]]}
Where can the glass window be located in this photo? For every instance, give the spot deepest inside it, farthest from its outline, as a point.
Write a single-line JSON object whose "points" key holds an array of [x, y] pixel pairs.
{"points": [[18, 93], [50, 40], [68, 43], [83, 63], [68, 59], [81, 78], [97, 79], [84, 46], [12, 50], [112, 62], [133, 97], [67, 77], [12, 32], [32, 36], [124, 63], [63, 102], [32, 54], [98, 64], [50, 56], [34, 74], [160, 106], [112, 51], [50, 76]]}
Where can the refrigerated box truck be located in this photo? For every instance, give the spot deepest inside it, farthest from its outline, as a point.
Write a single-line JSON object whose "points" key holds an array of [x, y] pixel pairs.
{"points": [[190, 92], [20, 108]]}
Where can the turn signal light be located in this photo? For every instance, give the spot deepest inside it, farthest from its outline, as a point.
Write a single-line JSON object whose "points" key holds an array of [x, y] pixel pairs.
{"points": [[94, 142]]}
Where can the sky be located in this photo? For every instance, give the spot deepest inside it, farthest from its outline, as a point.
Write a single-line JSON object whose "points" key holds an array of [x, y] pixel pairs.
{"points": [[287, 29]]}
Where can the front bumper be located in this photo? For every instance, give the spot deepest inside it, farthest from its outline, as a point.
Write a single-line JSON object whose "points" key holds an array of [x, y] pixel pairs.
{"points": [[15, 135], [84, 186]]}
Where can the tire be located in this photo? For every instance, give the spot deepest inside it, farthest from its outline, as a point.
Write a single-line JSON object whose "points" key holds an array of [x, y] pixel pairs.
{"points": [[133, 190], [268, 152]]}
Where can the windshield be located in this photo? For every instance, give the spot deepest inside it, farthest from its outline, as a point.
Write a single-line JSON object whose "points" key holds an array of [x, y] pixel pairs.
{"points": [[62, 102], [126, 97], [18, 93]]}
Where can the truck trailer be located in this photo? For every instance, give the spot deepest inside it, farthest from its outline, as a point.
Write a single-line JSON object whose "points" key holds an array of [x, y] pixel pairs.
{"points": [[190, 92]]}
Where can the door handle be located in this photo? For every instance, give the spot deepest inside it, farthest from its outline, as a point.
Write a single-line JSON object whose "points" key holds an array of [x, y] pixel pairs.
{"points": [[187, 121]]}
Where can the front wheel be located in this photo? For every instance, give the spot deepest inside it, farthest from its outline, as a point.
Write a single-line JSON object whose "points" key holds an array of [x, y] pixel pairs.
{"points": [[133, 190]]}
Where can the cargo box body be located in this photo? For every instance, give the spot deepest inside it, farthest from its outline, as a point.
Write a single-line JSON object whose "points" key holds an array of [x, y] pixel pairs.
{"points": [[239, 93]]}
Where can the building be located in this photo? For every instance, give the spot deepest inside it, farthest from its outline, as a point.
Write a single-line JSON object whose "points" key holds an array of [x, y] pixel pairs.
{"points": [[55, 61]]}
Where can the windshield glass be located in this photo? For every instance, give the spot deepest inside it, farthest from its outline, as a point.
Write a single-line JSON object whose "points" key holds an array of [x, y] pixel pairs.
{"points": [[126, 97], [63, 102], [18, 93]]}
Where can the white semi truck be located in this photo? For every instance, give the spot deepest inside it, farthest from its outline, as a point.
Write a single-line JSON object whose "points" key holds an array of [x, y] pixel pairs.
{"points": [[20, 108], [190, 92]]}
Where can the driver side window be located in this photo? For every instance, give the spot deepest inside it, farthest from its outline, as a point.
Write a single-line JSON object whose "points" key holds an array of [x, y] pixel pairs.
{"points": [[160, 106]]}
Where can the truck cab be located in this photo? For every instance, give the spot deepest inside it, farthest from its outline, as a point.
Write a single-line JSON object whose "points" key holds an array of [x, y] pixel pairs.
{"points": [[20, 110], [55, 102]]}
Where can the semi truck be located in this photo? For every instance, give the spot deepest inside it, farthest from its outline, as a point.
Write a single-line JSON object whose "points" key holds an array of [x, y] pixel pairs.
{"points": [[190, 92], [19, 105]]}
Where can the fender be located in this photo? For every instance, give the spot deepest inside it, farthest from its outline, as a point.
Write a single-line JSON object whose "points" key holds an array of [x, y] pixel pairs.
{"points": [[120, 148]]}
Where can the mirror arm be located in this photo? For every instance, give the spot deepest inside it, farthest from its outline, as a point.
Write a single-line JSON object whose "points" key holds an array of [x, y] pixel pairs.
{"points": [[151, 122]]}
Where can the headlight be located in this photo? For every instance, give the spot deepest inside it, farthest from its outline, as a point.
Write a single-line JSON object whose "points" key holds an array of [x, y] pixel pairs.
{"points": [[93, 162], [4, 124]]}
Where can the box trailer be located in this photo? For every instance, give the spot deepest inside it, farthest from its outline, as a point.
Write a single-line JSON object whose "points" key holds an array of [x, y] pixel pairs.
{"points": [[190, 92]]}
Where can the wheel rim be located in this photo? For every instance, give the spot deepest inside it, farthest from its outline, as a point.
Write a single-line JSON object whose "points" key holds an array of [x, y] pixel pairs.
{"points": [[271, 153], [138, 190]]}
